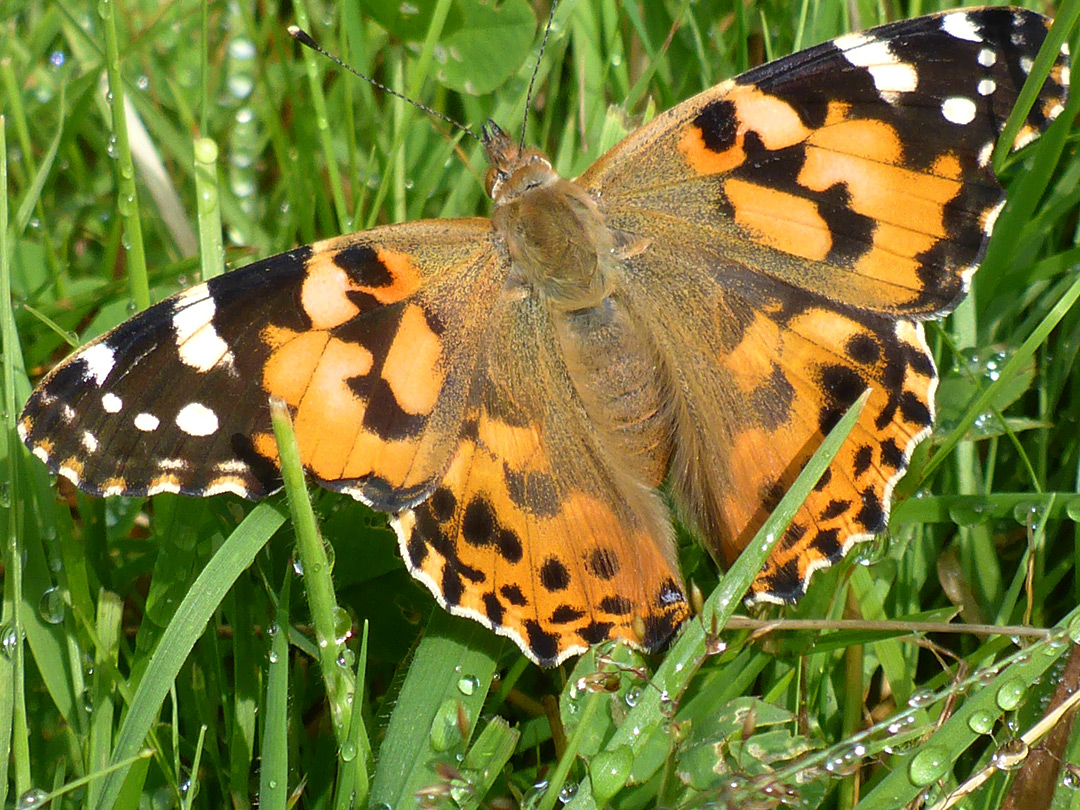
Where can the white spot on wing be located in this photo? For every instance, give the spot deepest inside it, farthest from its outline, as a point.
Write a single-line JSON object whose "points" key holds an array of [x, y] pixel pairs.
{"points": [[231, 466], [99, 360], [172, 464], [195, 419], [111, 403], [960, 25], [67, 413], [1065, 76], [22, 431], [198, 343], [986, 87], [89, 442], [987, 57], [41, 453], [1025, 64], [146, 422], [163, 486], [891, 75], [958, 110], [235, 486], [70, 474], [985, 153], [991, 218]]}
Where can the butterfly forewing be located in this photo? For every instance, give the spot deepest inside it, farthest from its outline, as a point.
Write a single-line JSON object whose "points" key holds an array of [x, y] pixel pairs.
{"points": [[370, 350]]}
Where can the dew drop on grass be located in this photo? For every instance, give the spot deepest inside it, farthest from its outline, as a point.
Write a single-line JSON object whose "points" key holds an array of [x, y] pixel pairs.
{"points": [[1010, 693], [444, 733], [981, 722], [928, 765], [33, 798], [468, 685], [921, 699], [9, 640], [51, 607]]}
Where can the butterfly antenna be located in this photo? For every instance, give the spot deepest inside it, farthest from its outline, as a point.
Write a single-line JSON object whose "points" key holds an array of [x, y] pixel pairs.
{"points": [[304, 38], [536, 69]]}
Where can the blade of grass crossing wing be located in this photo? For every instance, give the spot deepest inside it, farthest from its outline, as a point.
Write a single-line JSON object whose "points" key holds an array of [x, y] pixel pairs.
{"points": [[318, 574]]}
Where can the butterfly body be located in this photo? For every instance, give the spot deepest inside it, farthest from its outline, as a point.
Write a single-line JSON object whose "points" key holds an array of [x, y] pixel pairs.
{"points": [[700, 306]]}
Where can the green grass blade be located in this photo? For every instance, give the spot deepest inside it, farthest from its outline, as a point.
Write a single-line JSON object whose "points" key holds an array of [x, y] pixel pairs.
{"points": [[188, 623]]}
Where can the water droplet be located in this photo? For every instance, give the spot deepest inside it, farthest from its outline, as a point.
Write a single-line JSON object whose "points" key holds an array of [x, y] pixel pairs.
{"points": [[1010, 756], [348, 752], [110, 147], [206, 150], [632, 696], [921, 699], [928, 765], [1010, 693], [9, 640], [33, 798], [567, 793], [408, 10], [445, 733], [343, 625], [297, 566], [51, 607], [272, 657], [241, 48], [1027, 514], [981, 722], [57, 58], [468, 685], [240, 86]]}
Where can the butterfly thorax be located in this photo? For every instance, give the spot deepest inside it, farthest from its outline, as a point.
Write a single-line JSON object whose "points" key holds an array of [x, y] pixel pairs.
{"points": [[555, 235]]}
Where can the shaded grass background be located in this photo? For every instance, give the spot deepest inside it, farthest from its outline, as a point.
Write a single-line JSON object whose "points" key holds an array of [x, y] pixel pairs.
{"points": [[108, 593]]}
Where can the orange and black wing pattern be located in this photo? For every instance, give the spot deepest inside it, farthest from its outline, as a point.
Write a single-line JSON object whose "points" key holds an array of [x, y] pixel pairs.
{"points": [[803, 220], [370, 340]]}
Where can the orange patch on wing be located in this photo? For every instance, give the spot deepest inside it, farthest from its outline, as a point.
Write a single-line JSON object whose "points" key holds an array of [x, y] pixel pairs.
{"points": [[873, 140], [370, 454], [705, 161], [276, 336], [412, 368], [323, 293], [520, 447], [330, 412], [752, 359], [780, 220], [775, 121], [266, 446], [405, 274], [288, 370], [892, 258], [948, 165]]}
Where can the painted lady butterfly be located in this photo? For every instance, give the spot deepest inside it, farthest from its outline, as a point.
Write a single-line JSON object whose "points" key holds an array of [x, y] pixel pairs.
{"points": [[699, 307]]}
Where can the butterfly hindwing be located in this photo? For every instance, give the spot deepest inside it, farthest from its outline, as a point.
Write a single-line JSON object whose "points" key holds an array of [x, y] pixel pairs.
{"points": [[541, 528]]}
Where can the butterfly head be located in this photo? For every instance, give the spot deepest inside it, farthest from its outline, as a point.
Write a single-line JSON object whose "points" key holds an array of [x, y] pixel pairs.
{"points": [[514, 170]]}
